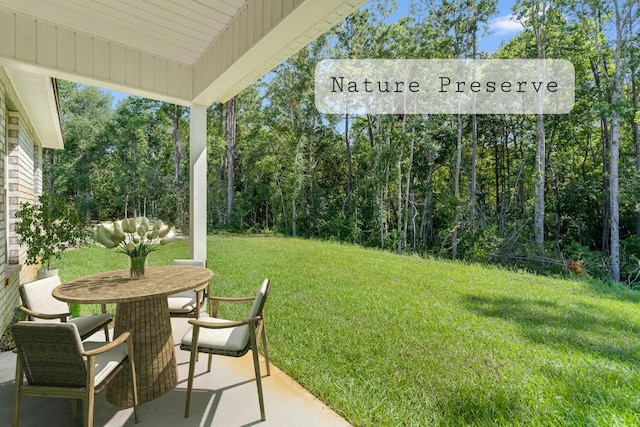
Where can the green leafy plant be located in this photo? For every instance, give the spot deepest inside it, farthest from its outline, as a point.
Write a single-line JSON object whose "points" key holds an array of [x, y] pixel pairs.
{"points": [[48, 228]]}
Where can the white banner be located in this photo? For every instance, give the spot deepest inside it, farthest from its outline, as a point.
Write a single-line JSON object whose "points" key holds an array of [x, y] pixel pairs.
{"points": [[444, 86]]}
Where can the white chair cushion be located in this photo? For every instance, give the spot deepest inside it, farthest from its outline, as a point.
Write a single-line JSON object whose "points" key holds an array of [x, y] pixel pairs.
{"points": [[88, 323], [106, 362], [38, 297], [182, 304], [234, 339]]}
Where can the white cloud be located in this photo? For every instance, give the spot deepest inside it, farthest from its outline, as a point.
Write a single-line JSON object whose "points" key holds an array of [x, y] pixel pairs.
{"points": [[506, 24]]}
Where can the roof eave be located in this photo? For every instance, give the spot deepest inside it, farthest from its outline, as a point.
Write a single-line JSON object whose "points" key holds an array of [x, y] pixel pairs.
{"points": [[38, 96]]}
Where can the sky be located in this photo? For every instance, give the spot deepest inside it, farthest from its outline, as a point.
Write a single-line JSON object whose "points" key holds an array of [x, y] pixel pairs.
{"points": [[501, 28]]}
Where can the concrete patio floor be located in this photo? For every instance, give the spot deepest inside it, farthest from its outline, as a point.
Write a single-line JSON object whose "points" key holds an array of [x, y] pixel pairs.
{"points": [[225, 397]]}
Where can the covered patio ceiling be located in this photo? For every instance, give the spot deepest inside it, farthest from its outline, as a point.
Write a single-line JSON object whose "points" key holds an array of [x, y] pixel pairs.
{"points": [[184, 52]]}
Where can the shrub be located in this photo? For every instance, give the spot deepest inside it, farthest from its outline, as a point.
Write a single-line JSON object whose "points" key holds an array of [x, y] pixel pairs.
{"points": [[48, 228]]}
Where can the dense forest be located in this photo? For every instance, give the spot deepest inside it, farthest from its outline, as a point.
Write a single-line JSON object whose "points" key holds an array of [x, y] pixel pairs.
{"points": [[545, 192]]}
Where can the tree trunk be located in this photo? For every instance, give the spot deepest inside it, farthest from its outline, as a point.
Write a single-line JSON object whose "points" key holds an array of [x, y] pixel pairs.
{"points": [[556, 193], [231, 152], [370, 128], [540, 29], [606, 187], [294, 215], [347, 201], [615, 142], [407, 190], [606, 149], [636, 134], [177, 155], [474, 135], [538, 216], [429, 206], [496, 171], [456, 190], [613, 186], [474, 149]]}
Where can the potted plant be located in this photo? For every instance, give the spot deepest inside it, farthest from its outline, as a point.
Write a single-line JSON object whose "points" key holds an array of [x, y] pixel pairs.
{"points": [[48, 228]]}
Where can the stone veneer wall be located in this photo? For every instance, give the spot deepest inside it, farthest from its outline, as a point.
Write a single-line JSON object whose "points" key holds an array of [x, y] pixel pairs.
{"points": [[21, 165]]}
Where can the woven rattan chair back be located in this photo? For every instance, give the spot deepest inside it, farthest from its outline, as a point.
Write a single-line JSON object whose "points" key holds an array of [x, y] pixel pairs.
{"points": [[51, 354], [56, 363]]}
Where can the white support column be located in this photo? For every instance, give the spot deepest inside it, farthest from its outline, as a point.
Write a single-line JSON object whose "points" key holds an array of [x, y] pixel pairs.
{"points": [[198, 182]]}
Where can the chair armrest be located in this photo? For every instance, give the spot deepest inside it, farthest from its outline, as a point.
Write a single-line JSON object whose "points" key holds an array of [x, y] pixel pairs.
{"points": [[123, 337], [231, 299], [62, 316], [213, 308], [224, 325], [202, 287]]}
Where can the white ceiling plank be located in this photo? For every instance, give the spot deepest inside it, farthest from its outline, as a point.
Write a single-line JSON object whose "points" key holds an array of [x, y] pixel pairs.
{"points": [[173, 78], [186, 82], [65, 50], [46, 47], [25, 40], [276, 12], [161, 74], [195, 12], [157, 20], [267, 10], [101, 59], [215, 7], [84, 54], [117, 63], [133, 68], [7, 33], [235, 3], [235, 24], [147, 72], [257, 7]]}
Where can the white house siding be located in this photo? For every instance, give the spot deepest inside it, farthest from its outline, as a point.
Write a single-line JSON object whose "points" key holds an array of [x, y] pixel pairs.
{"points": [[21, 179], [6, 299]]}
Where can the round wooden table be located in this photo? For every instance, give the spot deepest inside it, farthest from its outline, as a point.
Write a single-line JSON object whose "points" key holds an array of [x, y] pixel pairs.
{"points": [[142, 308]]}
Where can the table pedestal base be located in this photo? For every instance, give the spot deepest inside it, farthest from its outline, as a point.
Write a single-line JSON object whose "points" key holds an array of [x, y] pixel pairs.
{"points": [[154, 353]]}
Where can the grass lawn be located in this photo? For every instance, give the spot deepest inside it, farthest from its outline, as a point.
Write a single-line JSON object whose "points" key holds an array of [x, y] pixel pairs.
{"points": [[389, 340]]}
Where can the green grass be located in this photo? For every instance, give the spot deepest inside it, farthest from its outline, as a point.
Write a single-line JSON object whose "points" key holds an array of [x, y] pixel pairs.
{"points": [[389, 340]]}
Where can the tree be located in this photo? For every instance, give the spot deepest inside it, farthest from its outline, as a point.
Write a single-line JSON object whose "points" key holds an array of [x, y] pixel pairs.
{"points": [[86, 112], [231, 153], [536, 15], [619, 17]]}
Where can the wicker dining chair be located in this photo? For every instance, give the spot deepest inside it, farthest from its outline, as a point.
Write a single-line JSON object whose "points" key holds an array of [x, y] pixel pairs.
{"points": [[188, 303], [57, 363], [40, 306], [229, 338]]}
